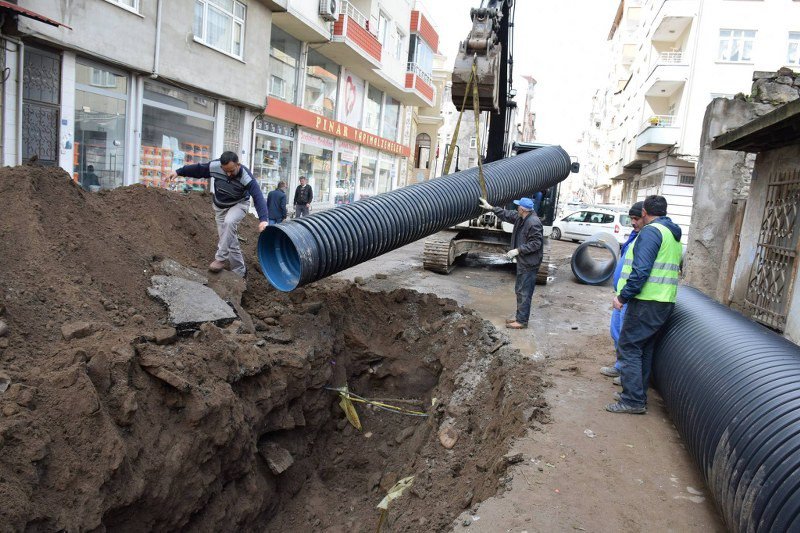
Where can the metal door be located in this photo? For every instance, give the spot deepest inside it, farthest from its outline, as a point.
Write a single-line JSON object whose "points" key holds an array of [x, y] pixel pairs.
{"points": [[41, 97], [772, 278]]}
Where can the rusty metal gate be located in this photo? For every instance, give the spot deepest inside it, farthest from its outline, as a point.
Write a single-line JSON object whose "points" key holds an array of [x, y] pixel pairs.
{"points": [[769, 289]]}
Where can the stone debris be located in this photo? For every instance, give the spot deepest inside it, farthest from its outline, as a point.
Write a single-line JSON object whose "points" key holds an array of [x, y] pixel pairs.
{"points": [[448, 436], [77, 330], [3, 328], [5, 382], [170, 267], [165, 336], [278, 459], [190, 303]]}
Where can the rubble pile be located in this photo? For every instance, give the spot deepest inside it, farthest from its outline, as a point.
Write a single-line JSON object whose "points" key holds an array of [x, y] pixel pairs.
{"points": [[119, 414]]}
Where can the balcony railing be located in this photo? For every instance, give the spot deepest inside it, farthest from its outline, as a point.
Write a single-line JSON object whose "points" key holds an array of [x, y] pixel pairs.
{"points": [[659, 121], [351, 11], [670, 58], [415, 69]]}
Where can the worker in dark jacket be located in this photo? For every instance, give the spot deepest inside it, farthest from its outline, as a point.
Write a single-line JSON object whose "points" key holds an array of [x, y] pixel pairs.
{"points": [[649, 287], [276, 204], [233, 187], [303, 196], [526, 248]]}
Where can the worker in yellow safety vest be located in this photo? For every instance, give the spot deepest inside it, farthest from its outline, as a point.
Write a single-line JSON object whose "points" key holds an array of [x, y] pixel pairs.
{"points": [[649, 286]]}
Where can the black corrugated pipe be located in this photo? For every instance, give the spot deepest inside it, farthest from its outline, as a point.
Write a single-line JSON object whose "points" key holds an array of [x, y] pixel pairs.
{"points": [[306, 249], [733, 390], [594, 261]]}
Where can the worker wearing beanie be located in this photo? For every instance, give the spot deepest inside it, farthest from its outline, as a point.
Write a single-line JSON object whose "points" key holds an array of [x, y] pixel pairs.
{"points": [[617, 315]]}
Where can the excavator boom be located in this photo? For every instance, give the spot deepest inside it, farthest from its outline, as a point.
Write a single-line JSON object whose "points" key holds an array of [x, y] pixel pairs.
{"points": [[483, 47]]}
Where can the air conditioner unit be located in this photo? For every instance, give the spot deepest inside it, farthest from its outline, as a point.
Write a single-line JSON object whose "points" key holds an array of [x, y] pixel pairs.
{"points": [[329, 10]]}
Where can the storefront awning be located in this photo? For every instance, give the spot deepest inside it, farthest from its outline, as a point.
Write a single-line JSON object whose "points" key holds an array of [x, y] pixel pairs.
{"points": [[30, 14]]}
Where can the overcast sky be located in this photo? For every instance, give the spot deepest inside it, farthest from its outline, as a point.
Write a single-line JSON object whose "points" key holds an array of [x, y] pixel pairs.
{"points": [[561, 43]]}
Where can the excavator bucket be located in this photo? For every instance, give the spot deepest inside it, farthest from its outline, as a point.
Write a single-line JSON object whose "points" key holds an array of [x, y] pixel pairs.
{"points": [[482, 48]]}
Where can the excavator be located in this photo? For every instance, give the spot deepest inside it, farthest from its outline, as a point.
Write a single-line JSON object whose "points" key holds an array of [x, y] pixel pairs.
{"points": [[485, 59]]}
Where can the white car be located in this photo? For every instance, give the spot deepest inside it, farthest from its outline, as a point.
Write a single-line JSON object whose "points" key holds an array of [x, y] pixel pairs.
{"points": [[581, 225]]}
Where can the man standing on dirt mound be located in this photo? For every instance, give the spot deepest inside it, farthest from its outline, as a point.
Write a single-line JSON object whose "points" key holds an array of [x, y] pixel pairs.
{"points": [[649, 286], [233, 187], [526, 247]]}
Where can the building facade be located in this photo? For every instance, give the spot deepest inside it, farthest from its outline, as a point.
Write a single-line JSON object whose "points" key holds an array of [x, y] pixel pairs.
{"points": [[670, 58], [292, 87]]}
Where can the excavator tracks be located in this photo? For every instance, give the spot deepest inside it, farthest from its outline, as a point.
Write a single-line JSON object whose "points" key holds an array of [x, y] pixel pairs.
{"points": [[439, 252]]}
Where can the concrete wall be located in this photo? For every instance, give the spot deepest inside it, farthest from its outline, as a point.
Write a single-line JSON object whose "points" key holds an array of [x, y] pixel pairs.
{"points": [[128, 39], [719, 174]]}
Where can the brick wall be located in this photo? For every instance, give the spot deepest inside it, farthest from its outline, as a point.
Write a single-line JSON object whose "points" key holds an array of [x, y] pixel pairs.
{"points": [[362, 38], [415, 82], [421, 25]]}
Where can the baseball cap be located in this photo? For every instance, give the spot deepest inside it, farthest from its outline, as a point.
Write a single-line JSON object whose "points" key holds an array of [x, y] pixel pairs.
{"points": [[525, 203]]}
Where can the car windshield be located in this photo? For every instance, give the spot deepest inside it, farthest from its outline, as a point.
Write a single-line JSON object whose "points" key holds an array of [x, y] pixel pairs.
{"points": [[625, 220]]}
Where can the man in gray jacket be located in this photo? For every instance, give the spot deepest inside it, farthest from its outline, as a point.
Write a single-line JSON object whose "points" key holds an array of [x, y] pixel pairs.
{"points": [[526, 247]]}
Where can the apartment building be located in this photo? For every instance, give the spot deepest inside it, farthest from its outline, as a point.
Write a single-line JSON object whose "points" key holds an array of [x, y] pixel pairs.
{"points": [[670, 58], [131, 89], [342, 90]]}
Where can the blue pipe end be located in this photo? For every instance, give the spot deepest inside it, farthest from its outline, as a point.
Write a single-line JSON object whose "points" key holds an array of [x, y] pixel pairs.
{"points": [[279, 259]]}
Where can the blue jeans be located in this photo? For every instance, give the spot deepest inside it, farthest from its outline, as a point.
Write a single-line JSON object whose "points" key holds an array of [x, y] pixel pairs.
{"points": [[526, 282], [637, 340], [617, 317], [273, 221]]}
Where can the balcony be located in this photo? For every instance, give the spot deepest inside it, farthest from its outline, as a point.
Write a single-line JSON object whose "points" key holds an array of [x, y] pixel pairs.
{"points": [[352, 44], [419, 86], [658, 133], [672, 19]]}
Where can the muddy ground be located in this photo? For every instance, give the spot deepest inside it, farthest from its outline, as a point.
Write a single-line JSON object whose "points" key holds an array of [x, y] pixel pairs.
{"points": [[111, 421], [584, 469]]}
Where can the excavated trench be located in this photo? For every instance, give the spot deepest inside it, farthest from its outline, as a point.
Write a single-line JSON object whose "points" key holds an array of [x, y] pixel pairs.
{"points": [[109, 423]]}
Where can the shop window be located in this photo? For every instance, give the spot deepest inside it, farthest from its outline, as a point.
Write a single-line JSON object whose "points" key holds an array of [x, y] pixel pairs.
{"points": [[284, 60], [101, 99], [369, 169], [177, 130], [372, 110], [272, 158], [316, 156], [391, 116], [322, 79], [347, 164], [386, 173], [736, 45], [219, 24]]}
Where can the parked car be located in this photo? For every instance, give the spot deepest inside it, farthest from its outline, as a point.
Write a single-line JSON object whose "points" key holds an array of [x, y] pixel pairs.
{"points": [[581, 225]]}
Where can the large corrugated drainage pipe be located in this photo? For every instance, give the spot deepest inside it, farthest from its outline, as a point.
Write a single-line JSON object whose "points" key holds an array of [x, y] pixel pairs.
{"points": [[594, 261], [306, 249], [733, 390]]}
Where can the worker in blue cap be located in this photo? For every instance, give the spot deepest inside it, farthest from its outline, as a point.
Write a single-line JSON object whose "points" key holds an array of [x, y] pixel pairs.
{"points": [[526, 248]]}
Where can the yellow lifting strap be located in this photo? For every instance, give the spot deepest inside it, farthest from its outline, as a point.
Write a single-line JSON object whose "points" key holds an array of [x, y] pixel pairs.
{"points": [[472, 83]]}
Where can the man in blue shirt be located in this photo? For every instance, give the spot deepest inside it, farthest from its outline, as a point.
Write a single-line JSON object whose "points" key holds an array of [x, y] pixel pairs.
{"points": [[617, 315], [233, 187], [276, 204]]}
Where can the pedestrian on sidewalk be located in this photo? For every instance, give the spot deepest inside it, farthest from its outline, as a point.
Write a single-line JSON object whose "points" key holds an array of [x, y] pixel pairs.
{"points": [[649, 286], [526, 247], [635, 213], [276, 204], [303, 196], [233, 187]]}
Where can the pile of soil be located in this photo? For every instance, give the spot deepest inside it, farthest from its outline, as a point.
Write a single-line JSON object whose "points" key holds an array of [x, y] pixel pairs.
{"points": [[108, 425]]}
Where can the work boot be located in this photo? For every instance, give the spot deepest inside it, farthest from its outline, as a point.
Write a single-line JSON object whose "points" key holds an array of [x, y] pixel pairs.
{"points": [[618, 397], [516, 325], [216, 266], [620, 407], [609, 371], [617, 381], [510, 320]]}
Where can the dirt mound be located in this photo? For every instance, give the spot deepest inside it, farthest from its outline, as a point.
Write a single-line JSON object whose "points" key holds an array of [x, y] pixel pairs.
{"points": [[121, 429]]}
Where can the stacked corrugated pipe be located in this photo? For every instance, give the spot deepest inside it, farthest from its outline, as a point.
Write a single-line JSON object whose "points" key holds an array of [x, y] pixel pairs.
{"points": [[306, 249], [732, 388]]}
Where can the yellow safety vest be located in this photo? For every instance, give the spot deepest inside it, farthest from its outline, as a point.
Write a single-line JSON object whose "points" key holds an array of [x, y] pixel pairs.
{"points": [[662, 285]]}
